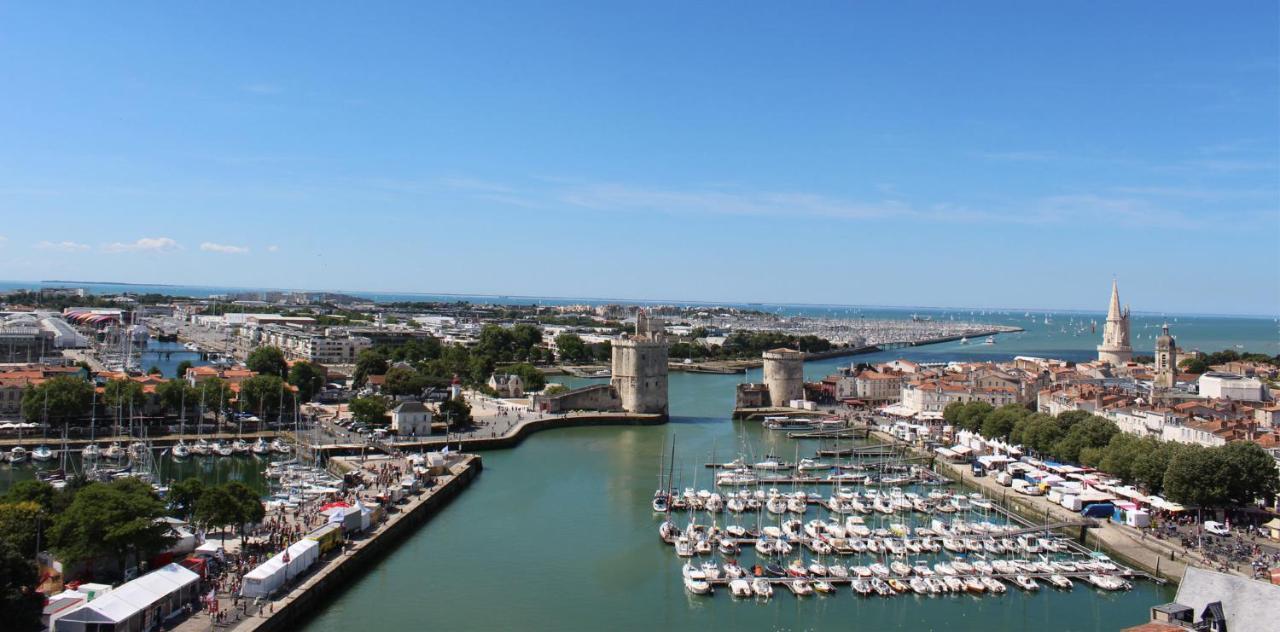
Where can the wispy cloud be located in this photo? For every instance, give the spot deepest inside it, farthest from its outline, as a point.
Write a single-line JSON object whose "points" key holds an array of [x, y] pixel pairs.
{"points": [[225, 249], [273, 248], [62, 246], [145, 244]]}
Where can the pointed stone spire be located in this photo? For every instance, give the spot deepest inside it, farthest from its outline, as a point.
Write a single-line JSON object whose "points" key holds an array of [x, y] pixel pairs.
{"points": [[1113, 312]]}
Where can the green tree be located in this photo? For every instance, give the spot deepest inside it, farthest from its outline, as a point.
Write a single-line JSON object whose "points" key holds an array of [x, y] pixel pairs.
{"points": [[32, 490], [496, 342], [1040, 432], [400, 381], [175, 394], [307, 378], [184, 496], [456, 412], [18, 524], [525, 339], [21, 604], [369, 362], [217, 508], [122, 394], [213, 392], [1094, 432], [1151, 464], [1194, 364], [530, 376], [1250, 473], [267, 361], [249, 507], [972, 415], [262, 394], [111, 521], [369, 410], [1121, 455], [571, 348], [555, 389], [1197, 476], [1071, 418], [181, 370], [1000, 423], [68, 398]]}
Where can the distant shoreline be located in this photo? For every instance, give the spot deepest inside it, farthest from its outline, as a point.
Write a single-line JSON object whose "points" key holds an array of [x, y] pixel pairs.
{"points": [[635, 301]]}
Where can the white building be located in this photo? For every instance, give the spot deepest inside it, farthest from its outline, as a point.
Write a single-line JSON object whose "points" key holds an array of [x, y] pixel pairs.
{"points": [[1219, 385], [411, 419]]}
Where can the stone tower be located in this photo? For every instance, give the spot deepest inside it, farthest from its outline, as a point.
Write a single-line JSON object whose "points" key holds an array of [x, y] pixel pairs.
{"points": [[784, 376], [640, 368], [1115, 347], [1166, 359]]}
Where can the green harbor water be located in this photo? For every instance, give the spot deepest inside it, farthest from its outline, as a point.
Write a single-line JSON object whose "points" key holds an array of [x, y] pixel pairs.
{"points": [[558, 534]]}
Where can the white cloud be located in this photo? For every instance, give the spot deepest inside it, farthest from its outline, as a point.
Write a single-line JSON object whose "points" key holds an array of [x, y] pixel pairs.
{"points": [[225, 249], [63, 246], [145, 244], [273, 248]]}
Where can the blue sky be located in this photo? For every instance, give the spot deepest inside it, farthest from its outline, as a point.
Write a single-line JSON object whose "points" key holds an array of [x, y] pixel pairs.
{"points": [[896, 153]]}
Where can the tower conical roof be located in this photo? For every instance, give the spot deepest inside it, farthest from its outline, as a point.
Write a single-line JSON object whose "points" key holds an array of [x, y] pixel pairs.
{"points": [[1113, 312]]}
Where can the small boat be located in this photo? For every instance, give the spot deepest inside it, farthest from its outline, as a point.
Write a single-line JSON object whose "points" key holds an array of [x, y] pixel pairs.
{"points": [[860, 571], [881, 587], [954, 584], [202, 448], [697, 586], [898, 585], [994, 586], [740, 588], [239, 446], [684, 548], [823, 587], [974, 585], [262, 448], [279, 446], [113, 452], [734, 571], [42, 453], [1060, 581], [181, 450], [18, 455], [762, 588], [222, 449], [800, 587], [91, 452], [862, 587], [1026, 583]]}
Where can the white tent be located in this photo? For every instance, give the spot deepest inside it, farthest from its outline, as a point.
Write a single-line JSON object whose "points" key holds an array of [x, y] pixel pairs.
{"points": [[144, 599], [274, 573]]}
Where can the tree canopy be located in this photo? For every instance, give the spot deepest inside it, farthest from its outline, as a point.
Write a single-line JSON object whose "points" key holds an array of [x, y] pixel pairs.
{"points": [[369, 410], [68, 398], [308, 378], [267, 361], [111, 521]]}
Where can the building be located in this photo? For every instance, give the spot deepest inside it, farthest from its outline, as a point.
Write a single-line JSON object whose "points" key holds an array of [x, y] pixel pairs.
{"points": [[508, 385], [1218, 385], [1115, 348], [875, 387], [411, 419], [310, 346], [603, 397], [24, 339], [640, 368], [1217, 602], [142, 604], [1166, 360], [784, 376]]}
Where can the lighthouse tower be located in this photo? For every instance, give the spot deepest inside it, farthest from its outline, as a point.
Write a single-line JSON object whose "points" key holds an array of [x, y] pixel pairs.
{"points": [[1115, 348]]}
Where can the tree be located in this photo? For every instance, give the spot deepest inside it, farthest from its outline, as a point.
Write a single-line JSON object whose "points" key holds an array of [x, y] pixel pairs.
{"points": [[1094, 432], [307, 378], [1148, 469], [972, 415], [369, 362], [1250, 473], [525, 339], [111, 520], [67, 397], [496, 342], [181, 370], [571, 348], [1000, 423], [1072, 417], [18, 524], [1197, 476], [1121, 455], [555, 389], [213, 392], [1194, 364], [122, 394], [176, 394], [455, 412], [401, 381], [249, 507], [262, 394], [21, 604], [369, 410], [217, 508], [530, 376], [32, 490], [184, 496], [267, 361]]}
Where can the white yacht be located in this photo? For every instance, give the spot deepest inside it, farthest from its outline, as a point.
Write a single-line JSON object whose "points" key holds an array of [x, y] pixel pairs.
{"points": [[42, 453]]}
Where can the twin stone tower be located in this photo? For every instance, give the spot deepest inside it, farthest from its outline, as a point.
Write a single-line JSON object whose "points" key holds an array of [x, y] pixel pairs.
{"points": [[640, 368]]}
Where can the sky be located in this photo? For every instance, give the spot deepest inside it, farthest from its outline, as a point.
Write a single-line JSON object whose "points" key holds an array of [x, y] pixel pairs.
{"points": [[997, 154]]}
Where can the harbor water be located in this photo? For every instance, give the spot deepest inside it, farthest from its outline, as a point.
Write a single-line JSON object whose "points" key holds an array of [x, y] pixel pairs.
{"points": [[558, 534]]}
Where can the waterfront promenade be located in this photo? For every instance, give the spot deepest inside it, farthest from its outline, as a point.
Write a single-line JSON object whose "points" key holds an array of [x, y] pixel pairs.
{"points": [[337, 569]]}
